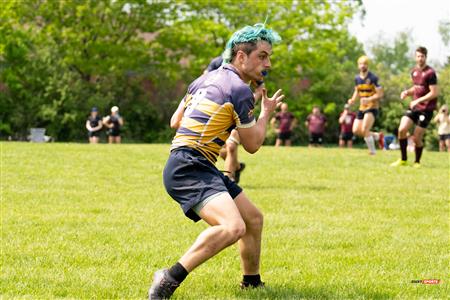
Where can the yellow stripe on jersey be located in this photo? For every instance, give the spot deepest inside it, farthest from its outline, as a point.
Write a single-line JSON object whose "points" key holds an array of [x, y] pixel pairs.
{"points": [[367, 90]]}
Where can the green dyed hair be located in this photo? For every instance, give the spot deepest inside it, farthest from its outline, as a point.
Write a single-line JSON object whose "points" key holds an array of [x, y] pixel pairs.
{"points": [[249, 34]]}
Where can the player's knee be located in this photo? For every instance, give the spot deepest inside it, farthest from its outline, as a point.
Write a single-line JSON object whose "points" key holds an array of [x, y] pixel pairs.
{"points": [[256, 221], [235, 231], [402, 132]]}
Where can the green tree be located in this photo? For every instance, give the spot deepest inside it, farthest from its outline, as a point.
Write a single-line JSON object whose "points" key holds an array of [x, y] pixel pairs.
{"points": [[59, 58]]}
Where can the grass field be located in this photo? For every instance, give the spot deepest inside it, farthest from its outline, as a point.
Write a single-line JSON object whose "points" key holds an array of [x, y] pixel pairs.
{"points": [[94, 222]]}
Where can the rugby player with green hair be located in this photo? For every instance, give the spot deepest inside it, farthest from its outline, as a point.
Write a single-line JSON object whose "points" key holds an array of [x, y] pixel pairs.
{"points": [[215, 104]]}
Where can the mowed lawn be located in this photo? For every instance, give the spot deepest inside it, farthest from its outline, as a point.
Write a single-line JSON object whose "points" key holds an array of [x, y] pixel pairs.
{"points": [[95, 222]]}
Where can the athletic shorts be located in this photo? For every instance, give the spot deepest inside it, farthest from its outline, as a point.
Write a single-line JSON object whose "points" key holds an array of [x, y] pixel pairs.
{"points": [[190, 179], [114, 132], [316, 138], [444, 137], [284, 135], [94, 133], [360, 114], [420, 118], [346, 136]]}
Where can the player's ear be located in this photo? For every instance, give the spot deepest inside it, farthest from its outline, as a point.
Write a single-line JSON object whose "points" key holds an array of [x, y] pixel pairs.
{"points": [[240, 56]]}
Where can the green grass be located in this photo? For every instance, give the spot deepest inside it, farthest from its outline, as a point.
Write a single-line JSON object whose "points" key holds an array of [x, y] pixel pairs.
{"points": [[94, 222]]}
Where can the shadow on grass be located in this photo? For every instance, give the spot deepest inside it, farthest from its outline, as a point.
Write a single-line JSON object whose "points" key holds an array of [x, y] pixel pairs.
{"points": [[285, 292]]}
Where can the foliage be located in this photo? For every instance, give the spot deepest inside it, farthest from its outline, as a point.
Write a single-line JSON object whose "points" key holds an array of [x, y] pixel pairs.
{"points": [[59, 58]]}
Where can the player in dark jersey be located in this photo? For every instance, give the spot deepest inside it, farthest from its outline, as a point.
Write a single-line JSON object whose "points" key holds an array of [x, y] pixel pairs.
{"points": [[216, 103], [420, 111], [229, 151], [286, 123], [369, 92], [346, 120], [94, 126], [114, 122]]}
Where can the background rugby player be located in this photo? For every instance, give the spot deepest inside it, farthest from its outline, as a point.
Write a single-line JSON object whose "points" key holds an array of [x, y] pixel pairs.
{"points": [[369, 92], [420, 112]]}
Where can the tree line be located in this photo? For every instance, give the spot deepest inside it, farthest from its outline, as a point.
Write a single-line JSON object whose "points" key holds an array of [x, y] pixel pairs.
{"points": [[60, 58]]}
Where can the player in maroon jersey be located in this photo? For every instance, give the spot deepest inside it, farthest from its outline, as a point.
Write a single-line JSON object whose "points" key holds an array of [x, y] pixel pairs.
{"points": [[346, 120], [286, 123], [316, 123], [420, 111]]}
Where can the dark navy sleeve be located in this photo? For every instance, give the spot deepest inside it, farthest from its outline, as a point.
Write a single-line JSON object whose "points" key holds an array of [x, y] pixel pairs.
{"points": [[375, 81], [243, 103], [215, 64], [432, 78]]}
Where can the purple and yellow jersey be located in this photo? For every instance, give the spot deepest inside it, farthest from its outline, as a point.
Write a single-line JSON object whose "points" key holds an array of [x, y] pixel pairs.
{"points": [[215, 103], [366, 87]]}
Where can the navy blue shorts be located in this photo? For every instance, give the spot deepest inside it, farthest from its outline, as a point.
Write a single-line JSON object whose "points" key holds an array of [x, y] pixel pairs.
{"points": [[360, 114], [190, 178], [346, 136]]}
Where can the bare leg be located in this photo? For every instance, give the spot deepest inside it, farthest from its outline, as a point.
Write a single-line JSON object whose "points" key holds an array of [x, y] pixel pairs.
{"points": [[357, 128], [418, 136], [110, 139], [447, 143], [250, 243], [278, 142], [288, 143], [227, 227], [405, 124], [442, 145], [118, 139], [341, 143], [350, 143]]}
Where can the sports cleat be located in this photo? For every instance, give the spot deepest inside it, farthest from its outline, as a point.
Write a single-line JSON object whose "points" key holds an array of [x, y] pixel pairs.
{"points": [[237, 173], [246, 285], [163, 285], [381, 140], [417, 165], [399, 163]]}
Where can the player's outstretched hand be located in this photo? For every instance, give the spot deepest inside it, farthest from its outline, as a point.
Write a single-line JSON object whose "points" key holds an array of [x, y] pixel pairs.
{"points": [[403, 95], [268, 105], [350, 101]]}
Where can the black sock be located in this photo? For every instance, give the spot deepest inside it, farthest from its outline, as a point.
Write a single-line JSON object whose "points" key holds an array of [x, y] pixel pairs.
{"points": [[178, 272], [252, 279], [403, 144], [418, 151]]}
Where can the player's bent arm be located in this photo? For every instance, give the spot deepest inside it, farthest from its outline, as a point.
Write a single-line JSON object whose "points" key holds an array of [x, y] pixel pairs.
{"points": [[407, 92], [353, 98], [433, 93], [100, 125], [272, 122], [293, 124], [436, 118], [88, 126], [253, 137], [175, 120], [342, 118], [379, 93]]}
